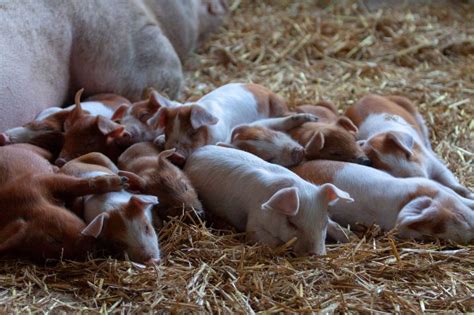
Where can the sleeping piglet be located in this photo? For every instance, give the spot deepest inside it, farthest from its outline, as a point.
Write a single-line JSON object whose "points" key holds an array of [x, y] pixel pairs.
{"points": [[266, 138], [212, 118], [33, 220], [157, 176], [269, 202], [121, 220]]}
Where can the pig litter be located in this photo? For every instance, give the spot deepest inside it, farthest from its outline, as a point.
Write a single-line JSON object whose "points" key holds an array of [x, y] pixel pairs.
{"points": [[304, 52]]}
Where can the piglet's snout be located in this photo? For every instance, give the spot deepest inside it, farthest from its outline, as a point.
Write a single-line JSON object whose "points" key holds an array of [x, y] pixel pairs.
{"points": [[363, 161], [60, 162]]}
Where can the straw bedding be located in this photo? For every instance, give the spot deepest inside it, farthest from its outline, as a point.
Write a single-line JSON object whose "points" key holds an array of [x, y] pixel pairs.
{"points": [[303, 52]]}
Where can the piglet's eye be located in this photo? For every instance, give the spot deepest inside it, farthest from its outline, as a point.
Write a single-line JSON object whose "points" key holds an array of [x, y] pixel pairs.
{"points": [[147, 229], [291, 224], [142, 116]]}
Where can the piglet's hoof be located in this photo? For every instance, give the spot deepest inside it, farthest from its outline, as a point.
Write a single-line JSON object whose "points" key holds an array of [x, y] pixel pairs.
{"points": [[305, 117], [108, 183], [4, 139]]}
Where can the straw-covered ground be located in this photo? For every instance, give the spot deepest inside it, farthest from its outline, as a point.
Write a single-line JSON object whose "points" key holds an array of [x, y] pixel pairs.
{"points": [[303, 52]]}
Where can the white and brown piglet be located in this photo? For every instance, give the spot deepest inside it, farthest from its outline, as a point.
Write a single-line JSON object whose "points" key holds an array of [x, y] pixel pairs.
{"points": [[159, 177], [120, 220], [84, 133], [266, 138], [33, 220], [212, 118], [394, 136], [418, 207], [134, 118], [272, 204], [332, 137], [47, 130]]}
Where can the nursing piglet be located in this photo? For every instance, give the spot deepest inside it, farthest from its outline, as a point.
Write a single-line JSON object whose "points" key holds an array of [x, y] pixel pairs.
{"points": [[269, 202], [84, 133], [33, 220], [134, 118], [159, 177], [121, 220], [418, 207], [266, 138], [333, 137], [394, 136], [47, 130], [212, 118]]}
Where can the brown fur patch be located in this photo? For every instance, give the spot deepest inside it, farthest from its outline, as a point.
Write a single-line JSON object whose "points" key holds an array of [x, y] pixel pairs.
{"points": [[268, 103], [325, 110], [319, 171], [372, 103]]}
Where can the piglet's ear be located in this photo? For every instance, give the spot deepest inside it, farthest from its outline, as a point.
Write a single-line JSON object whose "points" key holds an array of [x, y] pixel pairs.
{"points": [[201, 117], [120, 112], [159, 120], [166, 154], [145, 199], [347, 124], [401, 140], [422, 215], [333, 194], [316, 143], [96, 226], [136, 206], [157, 101], [236, 131], [285, 201], [109, 128], [12, 235]]}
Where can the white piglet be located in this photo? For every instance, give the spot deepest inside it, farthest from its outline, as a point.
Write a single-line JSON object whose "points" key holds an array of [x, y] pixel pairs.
{"points": [[420, 208], [121, 220], [212, 118], [269, 202]]}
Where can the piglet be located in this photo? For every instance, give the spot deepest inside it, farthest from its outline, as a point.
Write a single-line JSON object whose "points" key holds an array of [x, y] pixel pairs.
{"points": [[394, 136], [418, 207], [268, 201], [84, 133], [159, 177], [47, 130], [333, 137], [266, 138], [212, 118], [134, 118], [33, 220], [121, 220]]}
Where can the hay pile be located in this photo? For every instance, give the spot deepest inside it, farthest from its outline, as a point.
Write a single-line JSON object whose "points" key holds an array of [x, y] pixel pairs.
{"points": [[304, 53]]}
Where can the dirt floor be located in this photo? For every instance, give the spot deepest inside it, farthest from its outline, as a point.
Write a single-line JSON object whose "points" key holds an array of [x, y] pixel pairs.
{"points": [[304, 52]]}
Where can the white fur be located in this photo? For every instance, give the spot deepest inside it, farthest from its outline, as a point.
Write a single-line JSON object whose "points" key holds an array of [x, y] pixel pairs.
{"points": [[378, 198], [234, 185], [431, 166]]}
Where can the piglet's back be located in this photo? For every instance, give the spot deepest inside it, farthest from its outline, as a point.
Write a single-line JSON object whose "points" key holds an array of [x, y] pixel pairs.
{"points": [[20, 159]]}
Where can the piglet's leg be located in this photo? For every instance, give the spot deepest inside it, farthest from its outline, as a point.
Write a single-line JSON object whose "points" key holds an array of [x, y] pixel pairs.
{"points": [[69, 186], [443, 175], [95, 158], [288, 122]]}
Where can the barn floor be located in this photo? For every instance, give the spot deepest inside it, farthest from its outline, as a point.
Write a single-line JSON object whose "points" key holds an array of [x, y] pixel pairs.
{"points": [[304, 53]]}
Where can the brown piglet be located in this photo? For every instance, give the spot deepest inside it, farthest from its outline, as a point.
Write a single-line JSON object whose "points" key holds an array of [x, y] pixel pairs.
{"points": [[33, 220], [86, 133], [159, 177], [333, 137]]}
